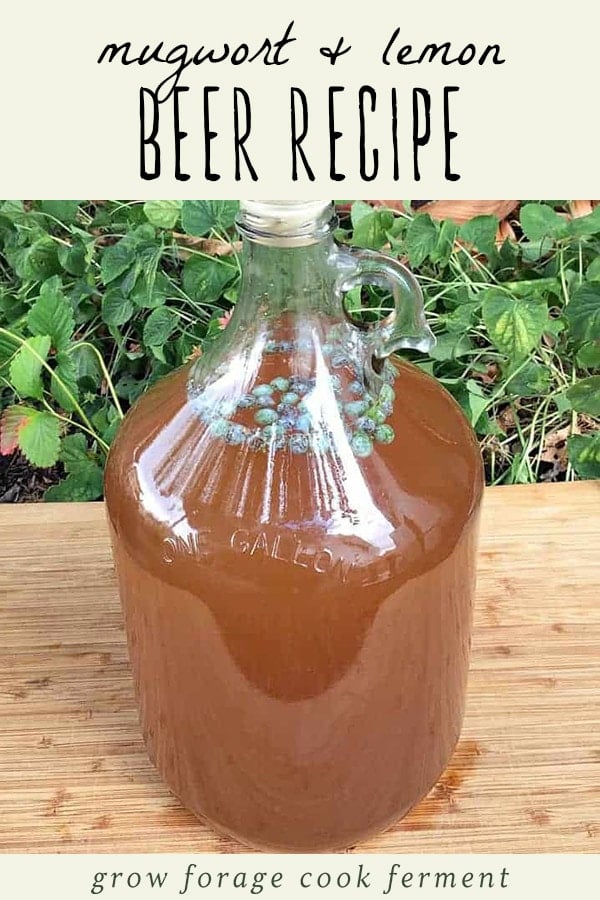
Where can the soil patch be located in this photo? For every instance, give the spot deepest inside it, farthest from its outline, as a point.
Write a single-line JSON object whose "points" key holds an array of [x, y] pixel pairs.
{"points": [[22, 483]]}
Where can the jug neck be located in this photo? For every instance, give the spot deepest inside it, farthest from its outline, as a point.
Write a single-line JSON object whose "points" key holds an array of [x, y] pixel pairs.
{"points": [[288, 255], [285, 223], [293, 279]]}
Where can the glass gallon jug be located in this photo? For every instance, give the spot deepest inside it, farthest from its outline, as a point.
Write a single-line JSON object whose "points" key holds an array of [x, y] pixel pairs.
{"points": [[294, 522]]}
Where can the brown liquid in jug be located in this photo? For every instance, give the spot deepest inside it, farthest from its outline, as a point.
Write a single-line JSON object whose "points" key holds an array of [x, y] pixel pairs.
{"points": [[298, 624]]}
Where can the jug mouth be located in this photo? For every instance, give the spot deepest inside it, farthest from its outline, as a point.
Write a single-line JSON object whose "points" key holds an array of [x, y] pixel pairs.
{"points": [[286, 223]]}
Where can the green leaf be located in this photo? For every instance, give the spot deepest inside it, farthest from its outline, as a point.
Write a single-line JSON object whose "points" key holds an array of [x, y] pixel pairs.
{"points": [[426, 365], [398, 231], [555, 327], [149, 257], [162, 213], [106, 420], [199, 217], [533, 251], [593, 270], [83, 298], [8, 347], [507, 256], [481, 233], [63, 383], [142, 236], [371, 231], [232, 292], [79, 487], [40, 260], [421, 238], [539, 221], [39, 439], [26, 366], [588, 355], [127, 283], [76, 258], [583, 313], [63, 210], [205, 278], [158, 352], [116, 309], [146, 254], [159, 326], [116, 259], [358, 210], [129, 387], [52, 315], [87, 367], [586, 226], [584, 395], [13, 210], [561, 402], [74, 452], [533, 380], [472, 399], [463, 317], [514, 326], [149, 297], [84, 478], [450, 346], [110, 433], [445, 244], [584, 454], [533, 287]]}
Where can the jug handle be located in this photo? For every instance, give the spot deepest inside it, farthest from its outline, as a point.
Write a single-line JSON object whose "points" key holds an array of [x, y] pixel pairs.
{"points": [[405, 327]]}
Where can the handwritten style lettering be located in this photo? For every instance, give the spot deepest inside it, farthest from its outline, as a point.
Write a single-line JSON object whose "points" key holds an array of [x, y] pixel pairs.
{"points": [[397, 126]]}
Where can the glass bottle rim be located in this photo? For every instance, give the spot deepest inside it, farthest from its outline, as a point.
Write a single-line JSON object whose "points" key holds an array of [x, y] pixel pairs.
{"points": [[286, 223]]}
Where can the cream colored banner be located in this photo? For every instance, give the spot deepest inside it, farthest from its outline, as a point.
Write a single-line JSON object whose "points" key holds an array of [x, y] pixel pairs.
{"points": [[327, 876], [428, 98]]}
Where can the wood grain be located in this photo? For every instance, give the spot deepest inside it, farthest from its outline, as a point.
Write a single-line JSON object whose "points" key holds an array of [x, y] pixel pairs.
{"points": [[74, 776]]}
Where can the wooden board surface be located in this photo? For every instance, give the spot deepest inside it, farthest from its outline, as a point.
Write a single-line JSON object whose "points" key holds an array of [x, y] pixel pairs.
{"points": [[74, 776]]}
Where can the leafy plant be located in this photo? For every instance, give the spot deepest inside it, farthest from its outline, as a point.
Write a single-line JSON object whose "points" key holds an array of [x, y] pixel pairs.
{"points": [[98, 299], [517, 323]]}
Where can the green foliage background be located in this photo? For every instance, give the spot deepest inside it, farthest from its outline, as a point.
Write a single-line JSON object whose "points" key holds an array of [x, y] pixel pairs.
{"points": [[98, 299]]}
